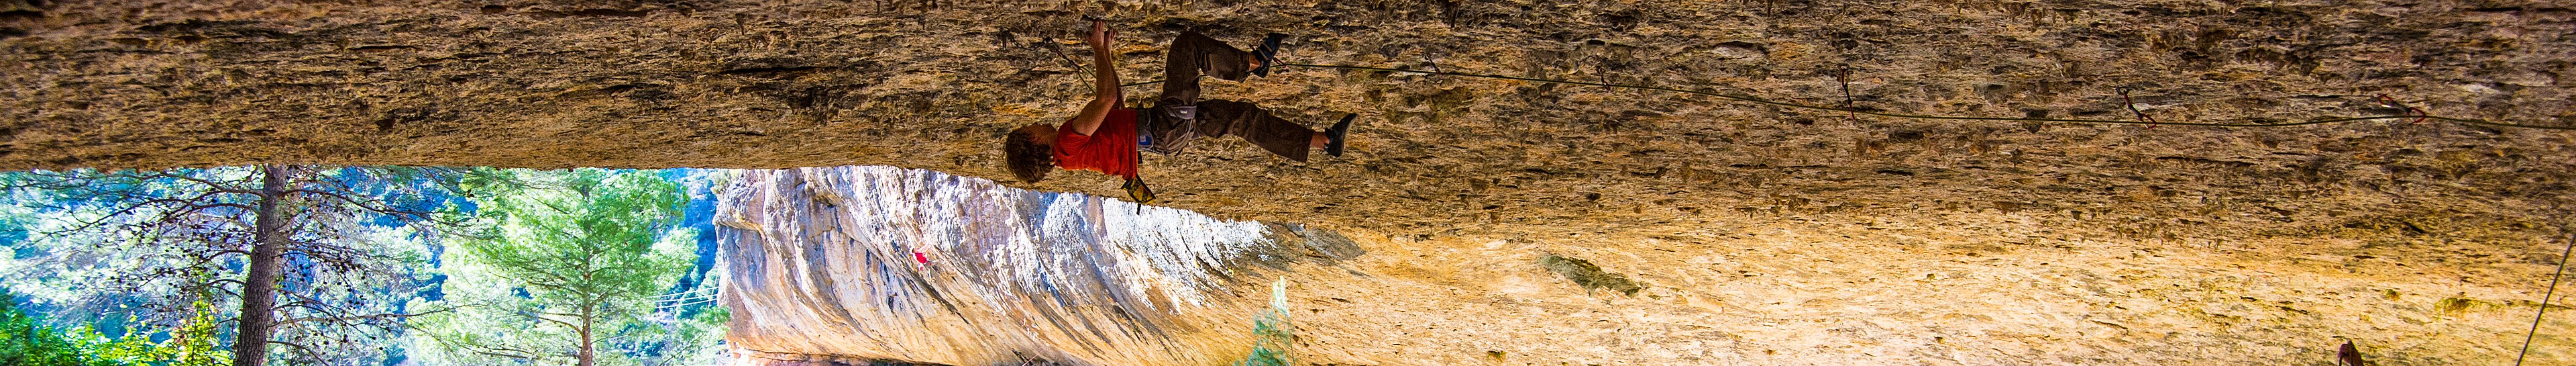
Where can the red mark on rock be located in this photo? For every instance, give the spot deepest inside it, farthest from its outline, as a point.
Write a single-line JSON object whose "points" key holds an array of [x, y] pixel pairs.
{"points": [[2133, 109], [2387, 102]]}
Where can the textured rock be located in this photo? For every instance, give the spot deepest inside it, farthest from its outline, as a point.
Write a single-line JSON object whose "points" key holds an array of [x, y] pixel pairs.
{"points": [[820, 270], [932, 85], [1762, 235], [880, 263]]}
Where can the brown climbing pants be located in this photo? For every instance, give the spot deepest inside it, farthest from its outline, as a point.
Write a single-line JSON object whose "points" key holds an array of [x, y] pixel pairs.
{"points": [[1168, 132]]}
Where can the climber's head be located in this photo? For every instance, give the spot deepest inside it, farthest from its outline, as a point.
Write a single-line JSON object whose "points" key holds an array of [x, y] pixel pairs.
{"points": [[1030, 152]]}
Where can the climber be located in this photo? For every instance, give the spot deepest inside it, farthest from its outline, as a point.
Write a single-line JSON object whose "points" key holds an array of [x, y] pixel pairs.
{"points": [[1106, 138]]}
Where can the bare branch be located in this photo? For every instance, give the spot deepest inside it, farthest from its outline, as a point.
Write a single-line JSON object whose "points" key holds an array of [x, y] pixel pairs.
{"points": [[541, 316], [361, 317], [308, 351], [368, 205]]}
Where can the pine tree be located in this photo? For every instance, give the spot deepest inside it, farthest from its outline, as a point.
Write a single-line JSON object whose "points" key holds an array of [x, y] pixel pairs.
{"points": [[569, 259], [300, 257]]}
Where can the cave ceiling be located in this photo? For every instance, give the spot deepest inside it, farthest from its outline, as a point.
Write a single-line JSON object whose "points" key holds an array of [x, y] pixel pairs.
{"points": [[932, 85]]}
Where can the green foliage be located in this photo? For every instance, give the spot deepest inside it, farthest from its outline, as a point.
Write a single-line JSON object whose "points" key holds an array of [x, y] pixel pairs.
{"points": [[133, 346], [26, 341], [1272, 333], [1591, 277], [586, 243], [196, 342], [566, 261]]}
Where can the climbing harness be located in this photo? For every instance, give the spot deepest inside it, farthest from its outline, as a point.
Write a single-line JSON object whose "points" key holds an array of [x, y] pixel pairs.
{"points": [[1148, 122]]}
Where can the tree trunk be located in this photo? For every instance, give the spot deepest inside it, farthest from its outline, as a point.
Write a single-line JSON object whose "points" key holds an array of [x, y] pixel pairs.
{"points": [[259, 289], [588, 353]]}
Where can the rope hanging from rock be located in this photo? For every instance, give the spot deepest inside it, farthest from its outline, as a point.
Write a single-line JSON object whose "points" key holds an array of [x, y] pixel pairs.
{"points": [[2544, 301], [1754, 99]]}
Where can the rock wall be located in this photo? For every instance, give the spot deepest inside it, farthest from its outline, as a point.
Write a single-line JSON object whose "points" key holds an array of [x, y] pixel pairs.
{"points": [[822, 270], [932, 85], [1760, 235], [881, 263]]}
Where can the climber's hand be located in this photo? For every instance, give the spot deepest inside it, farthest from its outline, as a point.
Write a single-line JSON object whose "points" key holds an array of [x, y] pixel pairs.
{"points": [[1100, 34]]}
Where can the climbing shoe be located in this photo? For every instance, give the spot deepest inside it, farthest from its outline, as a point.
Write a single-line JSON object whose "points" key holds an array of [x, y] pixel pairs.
{"points": [[1268, 53], [1338, 136]]}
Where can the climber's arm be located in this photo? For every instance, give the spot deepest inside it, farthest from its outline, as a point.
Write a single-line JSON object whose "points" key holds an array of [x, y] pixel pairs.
{"points": [[1104, 89]]}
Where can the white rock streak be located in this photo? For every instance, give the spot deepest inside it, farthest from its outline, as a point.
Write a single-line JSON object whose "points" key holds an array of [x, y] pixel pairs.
{"points": [[827, 261]]}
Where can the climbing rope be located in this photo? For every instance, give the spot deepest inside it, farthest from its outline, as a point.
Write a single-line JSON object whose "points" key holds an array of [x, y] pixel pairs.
{"points": [[2527, 338], [1759, 100], [2544, 301]]}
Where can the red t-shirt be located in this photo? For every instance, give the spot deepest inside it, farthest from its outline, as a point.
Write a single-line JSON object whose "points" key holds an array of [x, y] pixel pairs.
{"points": [[1110, 150]]}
